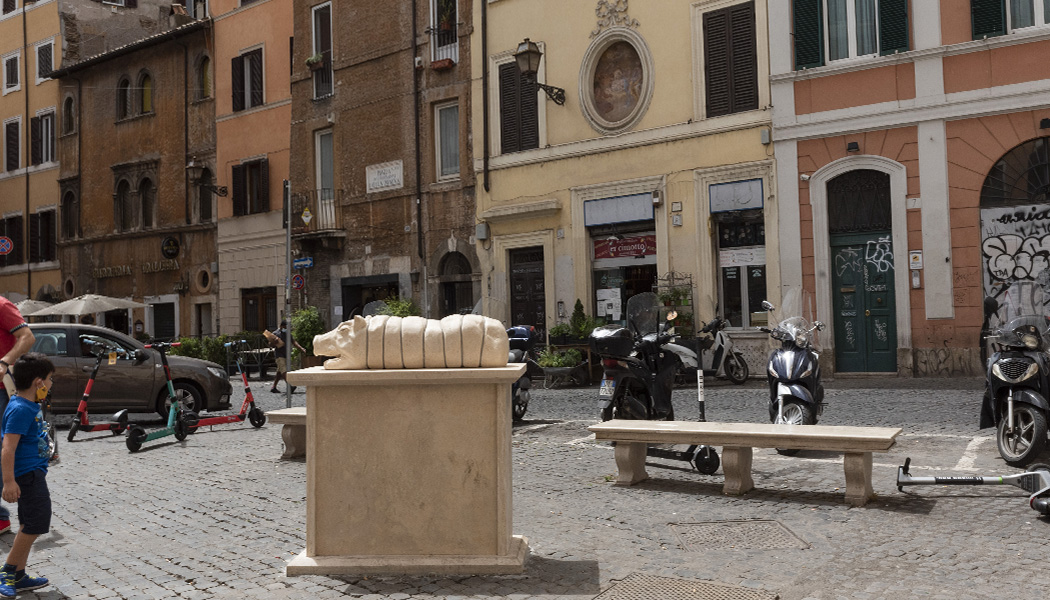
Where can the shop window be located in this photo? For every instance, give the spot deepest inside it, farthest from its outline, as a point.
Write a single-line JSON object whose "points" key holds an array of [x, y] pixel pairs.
{"points": [[742, 269], [830, 30]]}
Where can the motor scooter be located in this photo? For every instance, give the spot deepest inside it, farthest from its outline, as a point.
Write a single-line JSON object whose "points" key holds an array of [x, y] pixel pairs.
{"points": [[639, 372], [1017, 385], [523, 339], [119, 421], [796, 395], [714, 354]]}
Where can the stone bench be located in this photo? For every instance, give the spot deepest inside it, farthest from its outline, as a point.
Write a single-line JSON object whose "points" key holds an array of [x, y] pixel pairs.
{"points": [[737, 440], [294, 431]]}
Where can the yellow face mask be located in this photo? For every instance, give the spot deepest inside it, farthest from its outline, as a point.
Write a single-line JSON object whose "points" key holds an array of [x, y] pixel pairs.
{"points": [[41, 393]]}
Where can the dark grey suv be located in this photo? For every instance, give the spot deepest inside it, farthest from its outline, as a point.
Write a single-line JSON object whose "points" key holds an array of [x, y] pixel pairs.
{"points": [[137, 384]]}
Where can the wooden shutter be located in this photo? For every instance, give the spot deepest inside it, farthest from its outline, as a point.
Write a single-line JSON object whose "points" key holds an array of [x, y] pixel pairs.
{"points": [[255, 64], [893, 26], [36, 154], [240, 193], [717, 63], [530, 112], [11, 146], [988, 18], [744, 54], [264, 186], [9, 6], [237, 71], [809, 33], [34, 238], [18, 239], [11, 66], [509, 109], [43, 61], [48, 235], [730, 60], [51, 138]]}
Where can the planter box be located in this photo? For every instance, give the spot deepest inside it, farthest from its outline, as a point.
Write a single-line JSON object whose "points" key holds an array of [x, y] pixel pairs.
{"points": [[442, 65]]}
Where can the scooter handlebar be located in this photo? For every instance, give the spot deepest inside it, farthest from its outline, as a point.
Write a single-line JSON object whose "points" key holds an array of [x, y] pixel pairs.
{"points": [[233, 343]]}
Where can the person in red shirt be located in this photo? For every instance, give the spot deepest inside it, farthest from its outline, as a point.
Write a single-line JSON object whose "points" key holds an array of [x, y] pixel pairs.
{"points": [[15, 340]]}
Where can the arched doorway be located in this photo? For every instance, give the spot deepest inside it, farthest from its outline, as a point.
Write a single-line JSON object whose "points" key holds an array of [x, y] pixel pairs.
{"points": [[457, 284], [1015, 217], [862, 277]]}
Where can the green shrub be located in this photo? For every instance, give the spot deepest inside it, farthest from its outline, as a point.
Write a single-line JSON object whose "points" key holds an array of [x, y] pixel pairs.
{"points": [[306, 323], [190, 347], [400, 307], [549, 357], [560, 330]]}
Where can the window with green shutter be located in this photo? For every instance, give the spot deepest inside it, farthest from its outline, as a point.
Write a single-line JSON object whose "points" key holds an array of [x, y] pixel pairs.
{"points": [[988, 18], [809, 33], [830, 30]]}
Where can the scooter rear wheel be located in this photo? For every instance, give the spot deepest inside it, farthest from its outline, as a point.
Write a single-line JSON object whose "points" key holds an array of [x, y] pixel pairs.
{"points": [[74, 427], [706, 460], [136, 437], [736, 369], [256, 417]]}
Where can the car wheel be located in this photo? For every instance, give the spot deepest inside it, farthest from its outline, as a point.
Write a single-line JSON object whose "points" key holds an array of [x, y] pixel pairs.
{"points": [[190, 399]]}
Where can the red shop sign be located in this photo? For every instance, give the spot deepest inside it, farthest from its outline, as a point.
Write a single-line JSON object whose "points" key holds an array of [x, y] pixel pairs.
{"points": [[643, 245]]}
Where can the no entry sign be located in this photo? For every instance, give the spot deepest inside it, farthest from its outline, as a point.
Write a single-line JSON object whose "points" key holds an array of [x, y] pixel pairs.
{"points": [[6, 245]]}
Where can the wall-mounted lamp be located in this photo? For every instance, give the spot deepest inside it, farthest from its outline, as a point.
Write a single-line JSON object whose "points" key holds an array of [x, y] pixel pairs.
{"points": [[1044, 124], [853, 147], [196, 172], [528, 58]]}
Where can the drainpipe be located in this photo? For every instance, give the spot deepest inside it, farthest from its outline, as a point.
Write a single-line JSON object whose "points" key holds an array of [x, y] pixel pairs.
{"points": [[419, 166], [186, 130], [25, 95], [485, 88]]}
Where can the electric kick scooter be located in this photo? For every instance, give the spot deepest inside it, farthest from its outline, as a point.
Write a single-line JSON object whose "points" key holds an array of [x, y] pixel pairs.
{"points": [[248, 409], [1036, 482], [176, 423], [118, 423]]}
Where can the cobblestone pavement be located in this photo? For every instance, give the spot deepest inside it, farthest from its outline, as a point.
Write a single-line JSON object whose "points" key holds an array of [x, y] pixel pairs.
{"points": [[219, 515]]}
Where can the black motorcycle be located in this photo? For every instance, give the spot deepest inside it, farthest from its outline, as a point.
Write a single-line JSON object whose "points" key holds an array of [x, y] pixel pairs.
{"points": [[1017, 386], [639, 373], [523, 339], [796, 395]]}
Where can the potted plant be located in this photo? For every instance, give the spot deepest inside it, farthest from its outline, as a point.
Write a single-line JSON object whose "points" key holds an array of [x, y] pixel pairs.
{"points": [[316, 61], [447, 15], [561, 366], [307, 323], [560, 334]]}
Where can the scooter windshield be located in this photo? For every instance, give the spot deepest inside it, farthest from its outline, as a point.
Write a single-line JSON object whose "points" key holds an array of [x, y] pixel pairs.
{"points": [[643, 313], [796, 317], [1020, 316]]}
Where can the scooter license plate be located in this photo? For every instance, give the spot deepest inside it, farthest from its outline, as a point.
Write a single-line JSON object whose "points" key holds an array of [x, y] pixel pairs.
{"points": [[608, 386]]}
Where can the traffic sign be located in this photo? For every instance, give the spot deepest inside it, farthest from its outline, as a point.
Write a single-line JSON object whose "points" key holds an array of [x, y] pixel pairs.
{"points": [[298, 281], [6, 245], [307, 215], [303, 263]]}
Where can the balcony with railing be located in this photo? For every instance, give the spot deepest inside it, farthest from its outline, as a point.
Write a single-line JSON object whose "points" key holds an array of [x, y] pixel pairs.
{"points": [[323, 76], [318, 213]]}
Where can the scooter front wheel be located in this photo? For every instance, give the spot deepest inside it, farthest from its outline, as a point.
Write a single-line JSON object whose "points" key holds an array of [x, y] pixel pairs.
{"points": [[256, 417], [74, 427], [182, 429], [795, 413], [1028, 438], [136, 437], [706, 460]]}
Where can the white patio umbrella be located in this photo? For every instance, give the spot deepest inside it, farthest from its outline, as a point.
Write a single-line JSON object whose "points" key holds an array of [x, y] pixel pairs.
{"points": [[29, 307], [88, 304]]}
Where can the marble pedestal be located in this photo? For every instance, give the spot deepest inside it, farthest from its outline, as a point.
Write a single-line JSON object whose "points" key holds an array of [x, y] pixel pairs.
{"points": [[409, 472]]}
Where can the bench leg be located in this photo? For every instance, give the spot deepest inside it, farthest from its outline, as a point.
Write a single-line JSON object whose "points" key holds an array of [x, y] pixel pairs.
{"points": [[294, 437], [630, 462], [736, 464], [858, 478]]}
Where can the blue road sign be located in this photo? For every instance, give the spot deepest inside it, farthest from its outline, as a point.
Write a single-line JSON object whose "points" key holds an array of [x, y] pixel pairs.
{"points": [[303, 263], [6, 245], [298, 282]]}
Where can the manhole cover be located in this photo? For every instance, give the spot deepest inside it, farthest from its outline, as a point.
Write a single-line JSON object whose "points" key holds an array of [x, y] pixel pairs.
{"points": [[646, 587], [740, 535]]}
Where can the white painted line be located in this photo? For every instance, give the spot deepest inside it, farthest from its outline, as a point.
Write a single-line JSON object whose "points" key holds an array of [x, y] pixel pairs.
{"points": [[970, 454]]}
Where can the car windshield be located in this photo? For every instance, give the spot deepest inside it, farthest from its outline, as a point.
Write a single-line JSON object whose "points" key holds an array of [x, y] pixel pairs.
{"points": [[1021, 310]]}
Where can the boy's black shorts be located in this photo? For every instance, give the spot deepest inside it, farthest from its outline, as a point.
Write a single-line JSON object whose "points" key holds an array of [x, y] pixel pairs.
{"points": [[34, 503]]}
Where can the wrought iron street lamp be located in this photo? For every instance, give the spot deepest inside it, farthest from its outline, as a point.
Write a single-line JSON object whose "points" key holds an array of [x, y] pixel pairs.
{"points": [[528, 58], [196, 173]]}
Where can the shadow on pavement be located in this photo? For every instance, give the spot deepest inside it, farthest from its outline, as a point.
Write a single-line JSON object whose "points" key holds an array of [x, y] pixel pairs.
{"points": [[543, 576]]}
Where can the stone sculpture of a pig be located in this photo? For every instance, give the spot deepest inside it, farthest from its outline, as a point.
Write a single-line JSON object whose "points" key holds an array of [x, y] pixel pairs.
{"points": [[384, 342]]}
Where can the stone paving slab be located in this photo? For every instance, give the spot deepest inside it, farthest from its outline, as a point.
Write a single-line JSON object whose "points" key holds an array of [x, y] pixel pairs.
{"points": [[219, 515]]}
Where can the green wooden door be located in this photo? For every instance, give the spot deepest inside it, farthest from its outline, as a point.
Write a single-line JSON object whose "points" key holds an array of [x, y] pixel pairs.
{"points": [[865, 319]]}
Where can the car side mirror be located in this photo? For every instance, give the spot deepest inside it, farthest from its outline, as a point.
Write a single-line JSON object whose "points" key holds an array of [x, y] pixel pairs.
{"points": [[141, 356], [820, 326], [766, 305]]}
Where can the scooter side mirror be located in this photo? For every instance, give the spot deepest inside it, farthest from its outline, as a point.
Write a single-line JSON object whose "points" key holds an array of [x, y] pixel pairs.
{"points": [[820, 326], [671, 316], [766, 305], [140, 356]]}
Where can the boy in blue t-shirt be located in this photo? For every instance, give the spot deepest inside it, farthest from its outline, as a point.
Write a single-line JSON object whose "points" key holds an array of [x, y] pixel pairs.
{"points": [[24, 454]]}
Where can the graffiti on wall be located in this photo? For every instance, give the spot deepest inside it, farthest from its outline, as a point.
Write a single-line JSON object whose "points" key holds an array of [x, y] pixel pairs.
{"points": [[1015, 244], [947, 362]]}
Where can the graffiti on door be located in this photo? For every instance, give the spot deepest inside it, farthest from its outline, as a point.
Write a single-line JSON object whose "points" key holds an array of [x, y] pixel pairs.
{"points": [[879, 254]]}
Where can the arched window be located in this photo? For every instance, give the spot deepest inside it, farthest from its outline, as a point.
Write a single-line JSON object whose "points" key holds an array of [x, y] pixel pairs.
{"points": [[68, 115], [123, 208], [205, 202], [69, 216], [123, 99], [145, 94], [204, 79], [147, 202]]}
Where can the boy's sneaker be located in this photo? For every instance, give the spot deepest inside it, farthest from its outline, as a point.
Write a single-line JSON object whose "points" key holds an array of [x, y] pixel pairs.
{"points": [[27, 583], [275, 390], [7, 584], [5, 525]]}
